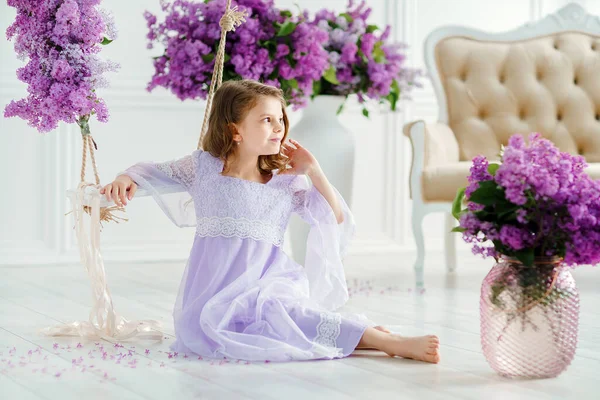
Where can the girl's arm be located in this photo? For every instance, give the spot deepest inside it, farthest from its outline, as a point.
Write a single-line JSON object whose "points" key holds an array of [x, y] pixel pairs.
{"points": [[320, 182], [303, 162], [152, 176], [331, 227]]}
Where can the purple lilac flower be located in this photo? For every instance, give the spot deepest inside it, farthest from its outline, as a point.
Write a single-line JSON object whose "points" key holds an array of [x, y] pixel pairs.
{"points": [[190, 35], [522, 216], [479, 173], [471, 223], [556, 205], [61, 39], [516, 238], [484, 251]]}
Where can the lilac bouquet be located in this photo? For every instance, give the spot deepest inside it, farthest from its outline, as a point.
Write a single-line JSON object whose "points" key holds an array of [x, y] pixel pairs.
{"points": [[361, 59], [538, 202], [61, 39], [272, 46]]}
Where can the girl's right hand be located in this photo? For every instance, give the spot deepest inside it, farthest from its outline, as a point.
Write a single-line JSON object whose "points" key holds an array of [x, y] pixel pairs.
{"points": [[120, 190]]}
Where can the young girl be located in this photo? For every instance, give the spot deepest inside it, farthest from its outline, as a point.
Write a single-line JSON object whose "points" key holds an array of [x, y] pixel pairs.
{"points": [[241, 296]]}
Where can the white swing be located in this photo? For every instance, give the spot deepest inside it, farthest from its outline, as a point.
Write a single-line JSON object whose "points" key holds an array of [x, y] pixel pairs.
{"points": [[104, 322]]}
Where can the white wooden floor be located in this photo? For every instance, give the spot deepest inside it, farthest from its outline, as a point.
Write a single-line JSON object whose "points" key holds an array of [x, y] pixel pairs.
{"points": [[36, 367]]}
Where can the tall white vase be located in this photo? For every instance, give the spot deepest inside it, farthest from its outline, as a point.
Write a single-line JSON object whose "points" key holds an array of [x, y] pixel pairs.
{"points": [[321, 132]]}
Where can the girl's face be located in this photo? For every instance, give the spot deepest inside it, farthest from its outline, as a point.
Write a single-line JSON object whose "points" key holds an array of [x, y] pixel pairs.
{"points": [[261, 132]]}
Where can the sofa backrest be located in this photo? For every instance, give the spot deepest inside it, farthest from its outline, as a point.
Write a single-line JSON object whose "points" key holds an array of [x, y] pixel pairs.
{"points": [[543, 77]]}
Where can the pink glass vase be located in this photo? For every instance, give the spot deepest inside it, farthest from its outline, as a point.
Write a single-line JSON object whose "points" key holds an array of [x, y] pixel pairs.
{"points": [[529, 318]]}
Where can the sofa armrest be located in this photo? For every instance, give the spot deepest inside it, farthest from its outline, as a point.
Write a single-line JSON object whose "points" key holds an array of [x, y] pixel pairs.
{"points": [[433, 144], [435, 141]]}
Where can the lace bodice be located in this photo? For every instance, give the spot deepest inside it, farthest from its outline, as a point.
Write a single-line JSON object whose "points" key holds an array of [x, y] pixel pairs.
{"points": [[233, 207], [225, 206]]}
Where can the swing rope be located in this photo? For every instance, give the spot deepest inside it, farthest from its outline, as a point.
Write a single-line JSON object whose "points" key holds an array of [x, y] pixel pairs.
{"points": [[229, 21], [107, 214], [104, 322]]}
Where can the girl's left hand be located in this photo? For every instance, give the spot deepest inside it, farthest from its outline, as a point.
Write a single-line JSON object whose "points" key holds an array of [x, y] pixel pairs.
{"points": [[302, 162]]}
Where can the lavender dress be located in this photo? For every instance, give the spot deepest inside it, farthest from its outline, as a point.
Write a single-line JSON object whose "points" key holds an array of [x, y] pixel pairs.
{"points": [[241, 296]]}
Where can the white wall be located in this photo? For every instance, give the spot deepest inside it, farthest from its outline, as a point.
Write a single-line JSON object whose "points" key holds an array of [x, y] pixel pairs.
{"points": [[37, 169]]}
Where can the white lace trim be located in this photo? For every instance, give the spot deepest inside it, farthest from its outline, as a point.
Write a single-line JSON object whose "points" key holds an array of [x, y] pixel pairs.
{"points": [[328, 329], [166, 169], [182, 170], [239, 227]]}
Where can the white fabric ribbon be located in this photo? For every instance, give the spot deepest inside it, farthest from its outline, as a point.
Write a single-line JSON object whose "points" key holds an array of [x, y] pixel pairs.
{"points": [[104, 322]]}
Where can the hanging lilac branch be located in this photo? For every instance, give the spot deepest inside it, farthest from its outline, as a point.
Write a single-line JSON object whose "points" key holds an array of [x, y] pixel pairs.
{"points": [[61, 39]]}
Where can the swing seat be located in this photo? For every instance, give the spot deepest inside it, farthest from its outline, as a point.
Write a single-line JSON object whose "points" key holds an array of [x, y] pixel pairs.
{"points": [[91, 191]]}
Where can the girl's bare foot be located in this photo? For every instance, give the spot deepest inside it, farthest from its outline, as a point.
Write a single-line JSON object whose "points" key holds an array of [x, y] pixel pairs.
{"points": [[422, 348]]}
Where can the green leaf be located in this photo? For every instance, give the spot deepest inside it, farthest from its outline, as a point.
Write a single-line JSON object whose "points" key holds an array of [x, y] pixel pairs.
{"points": [[330, 76], [316, 88], [285, 13], [487, 194], [341, 108], [372, 28], [229, 75], [287, 28], [393, 99], [293, 83], [226, 58], [492, 168], [458, 229], [526, 256], [394, 95], [362, 55], [105, 41], [505, 208], [348, 17], [208, 57], [508, 215], [485, 216], [457, 203], [378, 54], [365, 112]]}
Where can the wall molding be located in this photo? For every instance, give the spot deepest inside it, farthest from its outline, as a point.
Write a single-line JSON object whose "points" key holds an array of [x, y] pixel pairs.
{"points": [[61, 155]]}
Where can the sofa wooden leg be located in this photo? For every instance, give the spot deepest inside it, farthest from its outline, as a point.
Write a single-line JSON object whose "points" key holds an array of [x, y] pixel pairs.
{"points": [[417, 227], [450, 243]]}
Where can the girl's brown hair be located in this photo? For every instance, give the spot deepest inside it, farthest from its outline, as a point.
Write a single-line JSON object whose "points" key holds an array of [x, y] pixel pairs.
{"points": [[232, 102]]}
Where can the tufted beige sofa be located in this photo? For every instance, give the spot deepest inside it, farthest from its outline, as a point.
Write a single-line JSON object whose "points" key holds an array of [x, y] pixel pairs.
{"points": [[543, 77]]}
